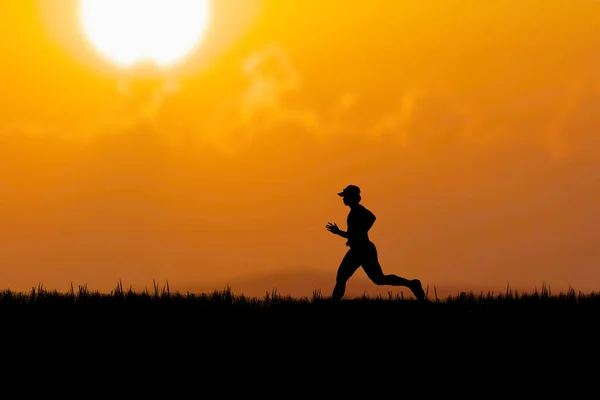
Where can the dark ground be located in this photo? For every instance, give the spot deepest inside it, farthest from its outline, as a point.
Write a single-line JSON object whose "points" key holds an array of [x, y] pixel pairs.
{"points": [[221, 340]]}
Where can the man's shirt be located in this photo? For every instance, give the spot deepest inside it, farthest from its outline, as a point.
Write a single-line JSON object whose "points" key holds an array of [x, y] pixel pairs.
{"points": [[359, 222]]}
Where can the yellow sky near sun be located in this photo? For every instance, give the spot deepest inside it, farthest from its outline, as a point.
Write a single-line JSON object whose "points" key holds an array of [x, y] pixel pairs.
{"points": [[471, 126]]}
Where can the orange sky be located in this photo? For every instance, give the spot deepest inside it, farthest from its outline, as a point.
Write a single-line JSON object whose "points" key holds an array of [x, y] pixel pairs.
{"points": [[472, 128]]}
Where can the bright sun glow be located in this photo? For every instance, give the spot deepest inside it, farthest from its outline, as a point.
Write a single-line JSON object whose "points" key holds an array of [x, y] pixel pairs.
{"points": [[132, 31]]}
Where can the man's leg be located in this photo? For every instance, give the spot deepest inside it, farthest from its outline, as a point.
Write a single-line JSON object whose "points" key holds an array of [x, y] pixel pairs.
{"points": [[348, 266], [375, 273]]}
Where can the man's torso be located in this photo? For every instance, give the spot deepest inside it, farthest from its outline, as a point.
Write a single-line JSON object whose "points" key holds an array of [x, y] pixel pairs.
{"points": [[359, 221]]}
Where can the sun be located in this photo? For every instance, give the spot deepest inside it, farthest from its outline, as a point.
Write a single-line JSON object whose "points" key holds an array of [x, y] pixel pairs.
{"points": [[129, 32]]}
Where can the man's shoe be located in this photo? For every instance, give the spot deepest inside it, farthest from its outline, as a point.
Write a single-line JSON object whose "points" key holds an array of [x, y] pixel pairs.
{"points": [[417, 289]]}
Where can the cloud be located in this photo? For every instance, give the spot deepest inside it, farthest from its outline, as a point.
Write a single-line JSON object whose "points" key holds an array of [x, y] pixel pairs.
{"points": [[142, 99], [396, 122], [137, 102], [272, 74], [262, 105], [422, 115], [277, 104]]}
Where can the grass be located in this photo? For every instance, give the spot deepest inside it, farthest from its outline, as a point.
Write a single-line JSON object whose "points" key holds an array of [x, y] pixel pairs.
{"points": [[224, 308], [160, 329], [41, 296]]}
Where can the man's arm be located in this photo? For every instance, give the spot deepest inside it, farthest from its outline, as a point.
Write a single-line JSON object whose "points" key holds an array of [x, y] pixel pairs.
{"points": [[343, 234], [333, 228]]}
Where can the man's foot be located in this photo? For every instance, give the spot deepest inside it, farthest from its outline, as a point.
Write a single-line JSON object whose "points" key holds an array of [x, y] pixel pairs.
{"points": [[417, 289]]}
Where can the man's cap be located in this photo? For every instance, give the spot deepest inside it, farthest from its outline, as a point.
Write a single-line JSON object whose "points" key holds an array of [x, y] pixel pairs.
{"points": [[350, 190]]}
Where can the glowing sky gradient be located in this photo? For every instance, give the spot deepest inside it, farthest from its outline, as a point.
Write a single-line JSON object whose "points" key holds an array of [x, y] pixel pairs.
{"points": [[472, 128]]}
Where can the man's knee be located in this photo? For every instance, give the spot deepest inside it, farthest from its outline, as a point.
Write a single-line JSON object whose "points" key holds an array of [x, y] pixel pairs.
{"points": [[378, 279]]}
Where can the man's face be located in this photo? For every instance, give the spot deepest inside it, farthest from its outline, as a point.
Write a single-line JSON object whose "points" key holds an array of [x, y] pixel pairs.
{"points": [[348, 200]]}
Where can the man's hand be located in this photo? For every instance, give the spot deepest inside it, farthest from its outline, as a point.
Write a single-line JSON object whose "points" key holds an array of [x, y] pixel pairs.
{"points": [[333, 228]]}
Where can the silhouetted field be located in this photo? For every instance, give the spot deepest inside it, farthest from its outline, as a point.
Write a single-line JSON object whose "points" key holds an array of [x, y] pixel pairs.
{"points": [[162, 332], [222, 311]]}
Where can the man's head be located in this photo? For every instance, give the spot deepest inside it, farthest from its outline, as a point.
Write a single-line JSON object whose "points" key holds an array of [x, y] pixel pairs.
{"points": [[350, 195]]}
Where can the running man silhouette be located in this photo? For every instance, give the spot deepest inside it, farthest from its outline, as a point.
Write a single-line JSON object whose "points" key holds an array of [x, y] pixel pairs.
{"points": [[362, 251]]}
